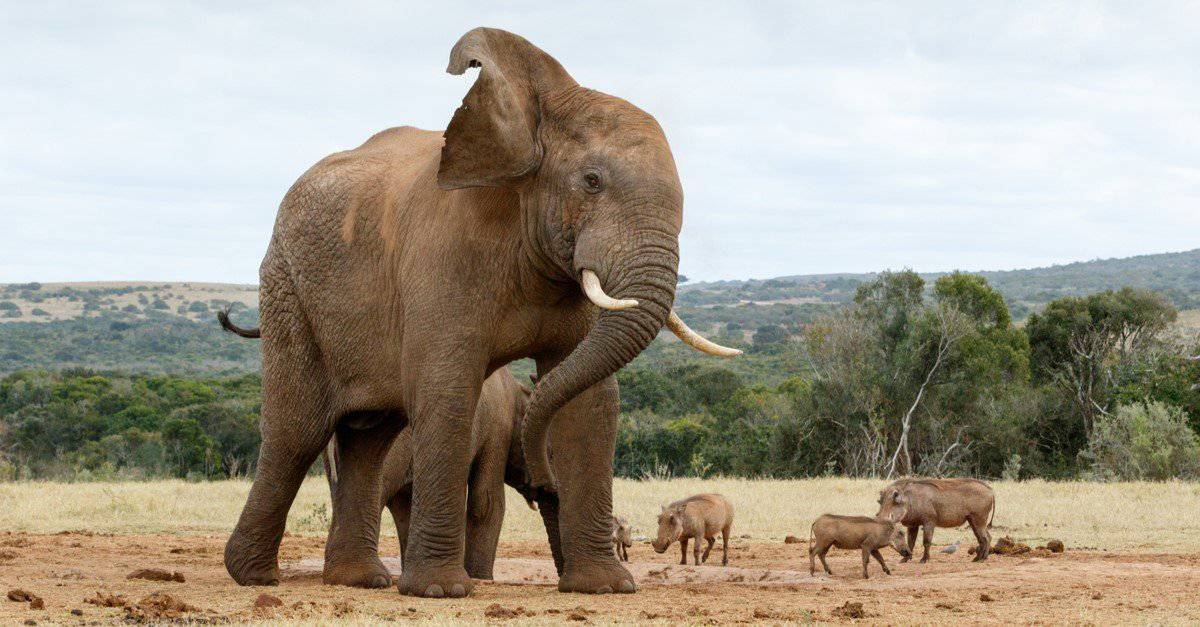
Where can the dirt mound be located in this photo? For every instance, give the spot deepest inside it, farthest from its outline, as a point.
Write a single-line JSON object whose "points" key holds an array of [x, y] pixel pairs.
{"points": [[1008, 546], [20, 596], [266, 600], [156, 574], [496, 610], [6, 556], [1056, 546], [107, 599], [158, 606], [850, 609], [986, 598]]}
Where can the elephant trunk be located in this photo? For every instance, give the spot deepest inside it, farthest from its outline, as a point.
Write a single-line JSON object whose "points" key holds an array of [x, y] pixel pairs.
{"points": [[617, 337], [548, 508]]}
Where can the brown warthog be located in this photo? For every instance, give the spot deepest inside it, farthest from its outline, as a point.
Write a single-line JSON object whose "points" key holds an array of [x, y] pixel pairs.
{"points": [[622, 538], [929, 503], [854, 532], [696, 517]]}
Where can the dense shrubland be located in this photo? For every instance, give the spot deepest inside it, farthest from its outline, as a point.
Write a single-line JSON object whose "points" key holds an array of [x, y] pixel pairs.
{"points": [[902, 377]]}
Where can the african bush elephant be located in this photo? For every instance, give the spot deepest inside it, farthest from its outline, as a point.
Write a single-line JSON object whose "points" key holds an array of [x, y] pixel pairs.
{"points": [[401, 273], [496, 460]]}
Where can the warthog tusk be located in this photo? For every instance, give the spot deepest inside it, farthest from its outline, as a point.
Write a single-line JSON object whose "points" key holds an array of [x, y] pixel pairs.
{"points": [[595, 293], [697, 341]]}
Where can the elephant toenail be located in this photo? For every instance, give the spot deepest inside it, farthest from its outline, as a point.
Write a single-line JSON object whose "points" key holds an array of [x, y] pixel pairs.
{"points": [[457, 590], [434, 591], [381, 581], [626, 586], [604, 590]]}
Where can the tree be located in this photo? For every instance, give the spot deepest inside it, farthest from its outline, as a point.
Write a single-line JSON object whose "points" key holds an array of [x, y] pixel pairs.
{"points": [[769, 336], [1080, 343]]}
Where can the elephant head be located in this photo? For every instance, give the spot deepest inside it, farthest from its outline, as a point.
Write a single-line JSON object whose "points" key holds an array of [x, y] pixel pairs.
{"points": [[601, 206]]}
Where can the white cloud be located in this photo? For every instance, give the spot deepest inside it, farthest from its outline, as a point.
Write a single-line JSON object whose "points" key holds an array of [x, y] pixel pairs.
{"points": [[152, 141]]}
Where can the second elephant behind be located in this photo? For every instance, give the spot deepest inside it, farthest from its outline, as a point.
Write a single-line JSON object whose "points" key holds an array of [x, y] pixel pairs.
{"points": [[497, 460]]}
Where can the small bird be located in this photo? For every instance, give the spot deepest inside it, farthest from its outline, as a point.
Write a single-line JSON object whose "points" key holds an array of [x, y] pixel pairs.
{"points": [[950, 548]]}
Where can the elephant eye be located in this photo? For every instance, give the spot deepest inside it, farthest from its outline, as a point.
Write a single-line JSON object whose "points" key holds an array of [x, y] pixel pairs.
{"points": [[592, 182]]}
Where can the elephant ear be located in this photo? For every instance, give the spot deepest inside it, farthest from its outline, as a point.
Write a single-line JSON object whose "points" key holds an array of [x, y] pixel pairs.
{"points": [[492, 138]]}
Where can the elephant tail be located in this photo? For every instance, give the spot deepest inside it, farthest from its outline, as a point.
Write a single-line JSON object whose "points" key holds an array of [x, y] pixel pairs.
{"points": [[228, 325]]}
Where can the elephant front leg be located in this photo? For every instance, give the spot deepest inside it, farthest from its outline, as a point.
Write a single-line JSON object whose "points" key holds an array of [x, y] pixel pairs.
{"points": [[582, 439], [433, 561], [352, 550]]}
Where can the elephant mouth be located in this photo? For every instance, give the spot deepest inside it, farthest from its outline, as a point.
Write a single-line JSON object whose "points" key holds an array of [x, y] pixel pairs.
{"points": [[595, 293]]}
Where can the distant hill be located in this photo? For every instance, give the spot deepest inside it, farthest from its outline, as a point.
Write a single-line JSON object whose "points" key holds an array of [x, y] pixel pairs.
{"points": [[171, 327], [1176, 275]]}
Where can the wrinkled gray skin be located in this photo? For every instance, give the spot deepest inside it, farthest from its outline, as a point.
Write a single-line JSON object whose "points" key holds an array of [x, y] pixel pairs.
{"points": [[622, 538], [496, 460], [929, 503], [854, 532], [403, 272], [698, 517]]}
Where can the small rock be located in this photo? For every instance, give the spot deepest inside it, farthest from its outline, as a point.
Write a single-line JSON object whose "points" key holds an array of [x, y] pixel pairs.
{"points": [[37, 604], [986, 598], [1096, 596], [266, 600], [29, 621], [76, 612], [1056, 546], [792, 540]]}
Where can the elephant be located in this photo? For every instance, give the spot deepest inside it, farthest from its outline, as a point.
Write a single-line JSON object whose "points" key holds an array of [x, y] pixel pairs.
{"points": [[496, 460], [542, 223]]}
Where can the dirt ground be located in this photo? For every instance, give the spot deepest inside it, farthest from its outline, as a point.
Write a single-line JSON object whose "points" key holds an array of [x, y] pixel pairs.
{"points": [[76, 574]]}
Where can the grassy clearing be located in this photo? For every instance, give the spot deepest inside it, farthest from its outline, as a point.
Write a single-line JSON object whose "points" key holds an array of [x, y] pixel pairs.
{"points": [[1134, 517]]}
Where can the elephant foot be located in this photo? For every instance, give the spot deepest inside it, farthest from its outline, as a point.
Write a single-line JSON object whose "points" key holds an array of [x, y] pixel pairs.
{"points": [[249, 564], [365, 573], [597, 579], [924, 560], [904, 559], [980, 558], [447, 581]]}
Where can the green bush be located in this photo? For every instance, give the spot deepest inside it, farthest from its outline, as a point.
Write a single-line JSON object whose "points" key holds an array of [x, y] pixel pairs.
{"points": [[1143, 441]]}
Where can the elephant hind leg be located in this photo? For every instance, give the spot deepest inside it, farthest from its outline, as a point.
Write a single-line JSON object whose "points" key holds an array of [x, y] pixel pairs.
{"points": [[352, 550], [296, 424]]}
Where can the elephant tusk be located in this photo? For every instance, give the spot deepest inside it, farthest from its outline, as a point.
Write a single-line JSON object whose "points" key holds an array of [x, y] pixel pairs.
{"points": [[595, 293], [697, 341]]}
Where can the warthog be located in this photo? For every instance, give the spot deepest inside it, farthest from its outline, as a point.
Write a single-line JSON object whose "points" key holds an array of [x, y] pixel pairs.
{"points": [[929, 503], [854, 532], [696, 517], [622, 538]]}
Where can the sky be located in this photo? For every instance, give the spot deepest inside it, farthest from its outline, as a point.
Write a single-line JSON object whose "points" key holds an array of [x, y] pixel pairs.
{"points": [[153, 141]]}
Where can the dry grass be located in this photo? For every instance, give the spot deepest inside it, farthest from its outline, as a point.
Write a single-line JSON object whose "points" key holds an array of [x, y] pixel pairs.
{"points": [[57, 304], [1144, 517], [1189, 320]]}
